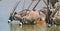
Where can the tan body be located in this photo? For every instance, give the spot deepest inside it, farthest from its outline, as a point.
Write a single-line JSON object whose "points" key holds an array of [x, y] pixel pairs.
{"points": [[32, 17]]}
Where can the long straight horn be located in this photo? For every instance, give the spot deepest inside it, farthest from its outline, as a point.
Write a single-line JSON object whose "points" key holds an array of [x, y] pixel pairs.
{"points": [[36, 5], [15, 7], [23, 5], [11, 18], [47, 6], [31, 3]]}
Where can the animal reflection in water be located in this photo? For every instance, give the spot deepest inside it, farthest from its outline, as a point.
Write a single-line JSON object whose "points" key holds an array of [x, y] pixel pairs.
{"points": [[16, 27]]}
